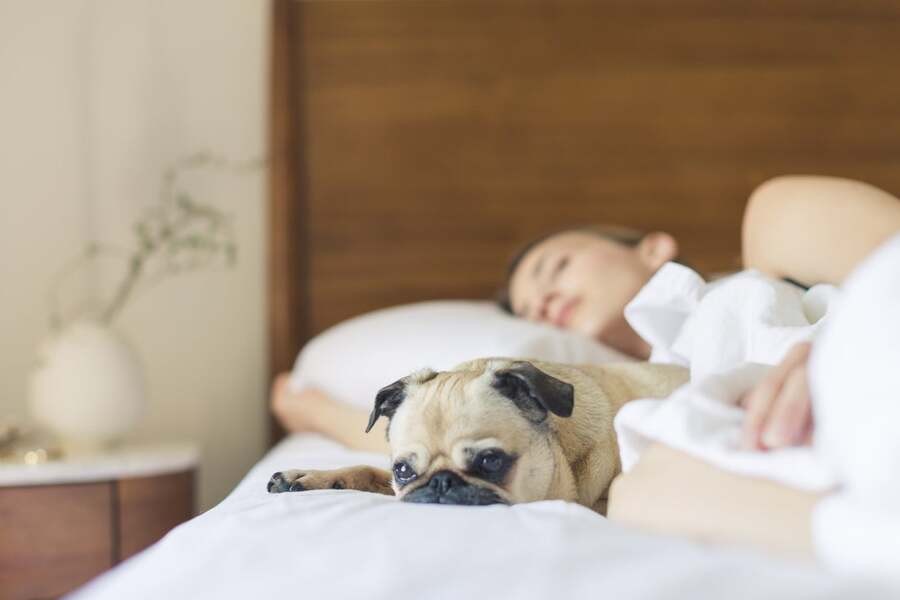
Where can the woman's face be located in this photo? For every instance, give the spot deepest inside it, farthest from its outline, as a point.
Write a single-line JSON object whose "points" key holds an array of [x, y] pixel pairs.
{"points": [[582, 282]]}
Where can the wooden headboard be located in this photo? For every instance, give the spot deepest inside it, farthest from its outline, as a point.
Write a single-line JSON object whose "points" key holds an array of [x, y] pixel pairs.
{"points": [[416, 143]]}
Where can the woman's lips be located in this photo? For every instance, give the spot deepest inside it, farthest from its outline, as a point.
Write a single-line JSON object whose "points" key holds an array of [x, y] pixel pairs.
{"points": [[565, 313]]}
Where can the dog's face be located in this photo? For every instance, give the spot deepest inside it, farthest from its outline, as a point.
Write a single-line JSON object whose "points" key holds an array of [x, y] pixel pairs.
{"points": [[479, 436]]}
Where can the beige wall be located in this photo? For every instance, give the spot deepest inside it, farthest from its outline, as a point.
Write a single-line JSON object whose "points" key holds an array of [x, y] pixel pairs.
{"points": [[97, 98], [43, 208]]}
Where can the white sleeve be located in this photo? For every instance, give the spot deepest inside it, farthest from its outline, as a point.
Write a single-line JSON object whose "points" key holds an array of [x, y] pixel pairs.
{"points": [[661, 308], [855, 391], [851, 536]]}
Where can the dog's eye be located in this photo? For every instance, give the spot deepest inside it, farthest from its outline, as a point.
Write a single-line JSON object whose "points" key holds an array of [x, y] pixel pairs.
{"points": [[489, 462], [403, 473]]}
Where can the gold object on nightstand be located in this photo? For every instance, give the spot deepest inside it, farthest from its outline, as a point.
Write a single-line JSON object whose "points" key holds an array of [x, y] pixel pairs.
{"points": [[26, 446]]}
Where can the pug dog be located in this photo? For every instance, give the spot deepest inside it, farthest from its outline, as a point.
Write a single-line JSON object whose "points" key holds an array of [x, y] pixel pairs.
{"points": [[499, 431]]}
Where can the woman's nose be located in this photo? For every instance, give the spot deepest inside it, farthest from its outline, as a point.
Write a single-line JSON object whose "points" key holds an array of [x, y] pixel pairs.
{"points": [[544, 307]]}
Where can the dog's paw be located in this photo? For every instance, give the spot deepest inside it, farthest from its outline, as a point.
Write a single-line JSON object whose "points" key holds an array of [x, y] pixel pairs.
{"points": [[301, 481], [285, 481]]}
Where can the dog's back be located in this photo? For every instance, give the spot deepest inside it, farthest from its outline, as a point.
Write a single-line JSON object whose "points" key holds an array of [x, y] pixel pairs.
{"points": [[588, 436]]}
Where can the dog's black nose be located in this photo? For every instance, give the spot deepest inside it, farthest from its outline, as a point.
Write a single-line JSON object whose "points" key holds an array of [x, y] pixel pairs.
{"points": [[442, 481]]}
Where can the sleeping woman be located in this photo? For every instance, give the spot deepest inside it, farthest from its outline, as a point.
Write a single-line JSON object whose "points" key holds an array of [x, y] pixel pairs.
{"points": [[812, 230]]}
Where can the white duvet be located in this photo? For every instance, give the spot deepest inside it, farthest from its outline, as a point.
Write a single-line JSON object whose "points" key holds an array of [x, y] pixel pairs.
{"points": [[348, 544]]}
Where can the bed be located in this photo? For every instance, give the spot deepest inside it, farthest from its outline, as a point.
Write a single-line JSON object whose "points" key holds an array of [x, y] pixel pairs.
{"points": [[414, 144]]}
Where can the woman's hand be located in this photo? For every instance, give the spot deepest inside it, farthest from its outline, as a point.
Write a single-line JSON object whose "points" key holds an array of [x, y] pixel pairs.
{"points": [[779, 408], [294, 410]]}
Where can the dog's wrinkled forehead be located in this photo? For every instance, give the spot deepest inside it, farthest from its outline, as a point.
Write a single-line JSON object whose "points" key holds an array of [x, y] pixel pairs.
{"points": [[464, 388], [444, 400], [481, 390]]}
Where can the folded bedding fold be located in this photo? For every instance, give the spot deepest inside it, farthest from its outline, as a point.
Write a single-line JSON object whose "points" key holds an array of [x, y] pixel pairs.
{"points": [[731, 333]]}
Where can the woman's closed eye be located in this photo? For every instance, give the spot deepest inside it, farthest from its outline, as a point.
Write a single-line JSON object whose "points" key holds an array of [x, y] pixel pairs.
{"points": [[560, 266], [525, 311]]}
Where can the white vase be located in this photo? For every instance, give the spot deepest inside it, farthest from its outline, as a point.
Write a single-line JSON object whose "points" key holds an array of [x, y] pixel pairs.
{"points": [[87, 388]]}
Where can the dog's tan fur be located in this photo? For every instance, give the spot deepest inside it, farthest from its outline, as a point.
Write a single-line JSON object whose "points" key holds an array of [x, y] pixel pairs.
{"points": [[448, 417]]}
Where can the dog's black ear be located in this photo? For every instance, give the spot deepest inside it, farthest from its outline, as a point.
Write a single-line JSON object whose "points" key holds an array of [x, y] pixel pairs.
{"points": [[392, 396], [387, 400], [534, 392]]}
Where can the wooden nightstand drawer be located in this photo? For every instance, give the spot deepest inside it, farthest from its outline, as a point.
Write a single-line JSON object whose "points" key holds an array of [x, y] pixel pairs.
{"points": [[57, 537], [150, 506], [54, 538]]}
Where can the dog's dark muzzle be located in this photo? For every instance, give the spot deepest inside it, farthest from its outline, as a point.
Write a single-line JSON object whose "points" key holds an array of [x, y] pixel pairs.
{"points": [[446, 487]]}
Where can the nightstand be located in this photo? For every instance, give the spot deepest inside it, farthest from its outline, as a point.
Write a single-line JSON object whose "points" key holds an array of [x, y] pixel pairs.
{"points": [[64, 522]]}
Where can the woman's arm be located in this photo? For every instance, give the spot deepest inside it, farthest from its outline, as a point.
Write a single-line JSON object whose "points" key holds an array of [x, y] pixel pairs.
{"points": [[315, 411], [672, 493], [811, 229], [815, 229]]}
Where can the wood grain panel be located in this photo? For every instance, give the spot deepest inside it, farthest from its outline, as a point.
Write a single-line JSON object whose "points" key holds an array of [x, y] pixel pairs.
{"points": [[437, 135], [288, 281], [54, 538], [151, 506]]}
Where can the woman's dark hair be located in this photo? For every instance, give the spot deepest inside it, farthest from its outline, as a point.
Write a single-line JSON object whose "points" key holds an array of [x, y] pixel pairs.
{"points": [[620, 235]]}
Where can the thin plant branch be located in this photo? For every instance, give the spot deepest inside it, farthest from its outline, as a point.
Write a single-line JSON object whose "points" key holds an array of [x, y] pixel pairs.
{"points": [[92, 251], [176, 235]]}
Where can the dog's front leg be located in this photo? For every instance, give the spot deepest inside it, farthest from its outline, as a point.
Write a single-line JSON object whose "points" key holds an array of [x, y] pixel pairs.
{"points": [[362, 478]]}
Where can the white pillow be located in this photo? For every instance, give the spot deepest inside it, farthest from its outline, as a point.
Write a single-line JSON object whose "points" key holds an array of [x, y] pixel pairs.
{"points": [[354, 359]]}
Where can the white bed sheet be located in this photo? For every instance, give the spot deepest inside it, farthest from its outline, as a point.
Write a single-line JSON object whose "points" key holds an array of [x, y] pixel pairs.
{"points": [[348, 544]]}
